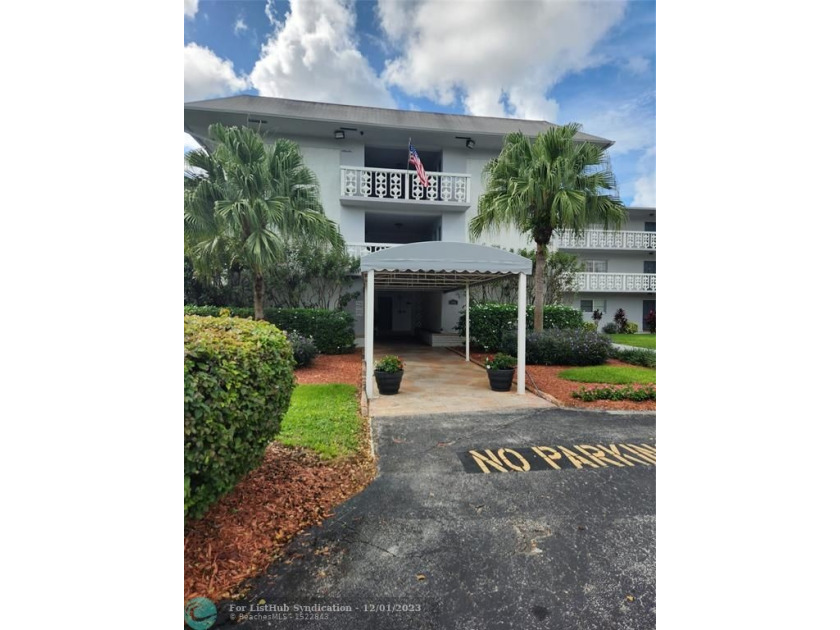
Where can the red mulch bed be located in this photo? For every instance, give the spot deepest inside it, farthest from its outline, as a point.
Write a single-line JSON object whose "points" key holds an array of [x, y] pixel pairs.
{"points": [[248, 528], [545, 377], [292, 489], [333, 368]]}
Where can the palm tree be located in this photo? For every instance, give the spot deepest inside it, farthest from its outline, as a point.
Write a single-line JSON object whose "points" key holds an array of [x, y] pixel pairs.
{"points": [[548, 186], [247, 202]]}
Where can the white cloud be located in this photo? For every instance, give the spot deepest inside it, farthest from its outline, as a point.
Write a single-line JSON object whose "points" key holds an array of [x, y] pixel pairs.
{"points": [[207, 75], [239, 26], [637, 65], [190, 8], [644, 186], [644, 191], [190, 143], [313, 55], [498, 57], [631, 123]]}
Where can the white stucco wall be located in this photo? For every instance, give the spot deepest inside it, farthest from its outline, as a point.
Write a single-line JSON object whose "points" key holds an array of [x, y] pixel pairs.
{"points": [[631, 303]]}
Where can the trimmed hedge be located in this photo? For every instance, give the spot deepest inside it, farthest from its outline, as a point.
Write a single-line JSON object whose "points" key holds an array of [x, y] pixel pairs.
{"points": [[561, 347], [238, 381], [489, 322], [636, 356], [331, 330]]}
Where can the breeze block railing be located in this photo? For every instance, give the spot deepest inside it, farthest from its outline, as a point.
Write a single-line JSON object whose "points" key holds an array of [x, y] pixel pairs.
{"points": [[394, 184], [363, 249], [617, 282], [599, 239]]}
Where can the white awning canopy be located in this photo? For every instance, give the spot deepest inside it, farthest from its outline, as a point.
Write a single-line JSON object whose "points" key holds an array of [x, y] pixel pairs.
{"points": [[447, 266], [442, 265]]}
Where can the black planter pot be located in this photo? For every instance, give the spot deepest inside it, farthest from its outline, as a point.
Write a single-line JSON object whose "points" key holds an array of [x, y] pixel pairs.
{"points": [[500, 380], [388, 382]]}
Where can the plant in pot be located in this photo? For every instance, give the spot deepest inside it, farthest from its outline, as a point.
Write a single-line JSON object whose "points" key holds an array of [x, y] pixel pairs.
{"points": [[500, 371], [388, 372]]}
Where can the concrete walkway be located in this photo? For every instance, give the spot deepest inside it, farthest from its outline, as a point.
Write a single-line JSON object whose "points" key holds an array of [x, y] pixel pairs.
{"points": [[437, 380]]}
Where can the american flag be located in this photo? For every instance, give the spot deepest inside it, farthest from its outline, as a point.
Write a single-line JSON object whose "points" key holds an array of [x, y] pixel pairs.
{"points": [[413, 158]]}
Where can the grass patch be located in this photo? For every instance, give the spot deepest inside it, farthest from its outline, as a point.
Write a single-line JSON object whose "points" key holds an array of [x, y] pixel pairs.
{"points": [[618, 375], [324, 418], [638, 341]]}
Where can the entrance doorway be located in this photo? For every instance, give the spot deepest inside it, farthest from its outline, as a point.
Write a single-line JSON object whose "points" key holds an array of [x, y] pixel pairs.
{"points": [[383, 319]]}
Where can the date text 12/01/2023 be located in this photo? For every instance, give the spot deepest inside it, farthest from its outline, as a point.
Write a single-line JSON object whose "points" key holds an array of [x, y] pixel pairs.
{"points": [[578, 456]]}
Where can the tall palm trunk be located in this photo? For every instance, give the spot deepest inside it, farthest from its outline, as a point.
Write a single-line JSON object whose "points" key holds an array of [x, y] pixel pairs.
{"points": [[539, 286], [259, 296]]}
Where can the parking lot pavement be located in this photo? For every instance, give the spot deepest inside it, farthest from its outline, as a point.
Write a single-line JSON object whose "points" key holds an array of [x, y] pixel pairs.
{"points": [[534, 518]]}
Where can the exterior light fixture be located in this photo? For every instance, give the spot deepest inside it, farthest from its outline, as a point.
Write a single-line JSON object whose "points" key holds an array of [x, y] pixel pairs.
{"points": [[339, 134], [470, 142]]}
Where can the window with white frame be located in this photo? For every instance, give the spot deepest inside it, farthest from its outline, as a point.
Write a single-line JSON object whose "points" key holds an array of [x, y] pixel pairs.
{"points": [[588, 306], [596, 266]]}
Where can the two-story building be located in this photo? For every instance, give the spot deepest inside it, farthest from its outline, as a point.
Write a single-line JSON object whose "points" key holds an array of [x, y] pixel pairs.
{"points": [[360, 156]]}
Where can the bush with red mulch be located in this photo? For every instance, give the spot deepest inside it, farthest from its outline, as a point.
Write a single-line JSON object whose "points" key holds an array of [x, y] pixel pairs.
{"points": [[291, 490], [545, 378]]}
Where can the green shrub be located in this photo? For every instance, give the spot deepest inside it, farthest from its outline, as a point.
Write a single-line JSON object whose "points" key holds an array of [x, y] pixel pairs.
{"points": [[650, 320], [631, 328], [389, 363], [561, 347], [590, 326], [332, 331], [610, 328], [500, 361], [620, 320], [489, 322], [639, 356], [609, 392], [303, 349], [238, 380]]}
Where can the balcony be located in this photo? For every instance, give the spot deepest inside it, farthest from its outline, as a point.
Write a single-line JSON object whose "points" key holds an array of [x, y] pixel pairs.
{"points": [[617, 282], [363, 249], [392, 187], [600, 239]]}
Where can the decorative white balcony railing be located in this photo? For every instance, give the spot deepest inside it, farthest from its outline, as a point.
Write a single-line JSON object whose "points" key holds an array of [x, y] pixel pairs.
{"points": [[363, 249], [393, 184], [600, 239], [617, 282]]}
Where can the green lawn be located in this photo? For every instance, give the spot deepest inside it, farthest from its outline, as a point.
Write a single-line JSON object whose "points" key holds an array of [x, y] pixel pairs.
{"points": [[324, 418], [619, 375], [639, 341]]}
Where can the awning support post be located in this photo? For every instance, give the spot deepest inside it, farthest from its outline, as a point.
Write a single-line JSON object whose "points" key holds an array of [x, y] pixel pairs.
{"points": [[520, 338], [468, 322], [369, 335]]}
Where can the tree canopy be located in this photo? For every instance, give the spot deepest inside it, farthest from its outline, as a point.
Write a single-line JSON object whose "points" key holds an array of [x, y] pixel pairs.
{"points": [[548, 186]]}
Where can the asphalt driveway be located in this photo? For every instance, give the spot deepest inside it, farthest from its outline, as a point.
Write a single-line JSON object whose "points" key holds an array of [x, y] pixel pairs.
{"points": [[538, 518]]}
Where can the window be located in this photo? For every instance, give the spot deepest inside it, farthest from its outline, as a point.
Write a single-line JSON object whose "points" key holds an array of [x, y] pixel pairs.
{"points": [[650, 226], [650, 266], [588, 306], [595, 266]]}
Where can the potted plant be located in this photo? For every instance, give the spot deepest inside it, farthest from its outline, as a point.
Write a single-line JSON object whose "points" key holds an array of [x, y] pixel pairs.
{"points": [[388, 372], [500, 371]]}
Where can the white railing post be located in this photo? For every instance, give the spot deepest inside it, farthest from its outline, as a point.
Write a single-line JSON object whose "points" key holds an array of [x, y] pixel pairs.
{"points": [[369, 335], [520, 338], [468, 322]]}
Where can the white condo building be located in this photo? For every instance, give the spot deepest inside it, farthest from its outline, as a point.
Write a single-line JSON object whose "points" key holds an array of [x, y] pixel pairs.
{"points": [[360, 156]]}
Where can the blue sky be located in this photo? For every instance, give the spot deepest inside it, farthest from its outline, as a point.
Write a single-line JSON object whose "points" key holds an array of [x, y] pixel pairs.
{"points": [[590, 62]]}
